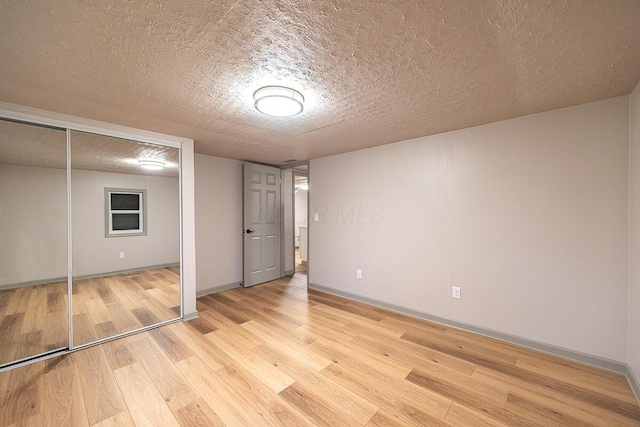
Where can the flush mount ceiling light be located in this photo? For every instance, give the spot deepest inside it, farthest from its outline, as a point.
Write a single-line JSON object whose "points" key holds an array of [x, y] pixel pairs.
{"points": [[151, 164], [278, 101]]}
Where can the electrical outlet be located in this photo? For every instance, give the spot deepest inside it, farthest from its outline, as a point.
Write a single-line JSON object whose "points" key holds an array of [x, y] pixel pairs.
{"points": [[358, 274], [121, 255], [455, 292], [316, 217]]}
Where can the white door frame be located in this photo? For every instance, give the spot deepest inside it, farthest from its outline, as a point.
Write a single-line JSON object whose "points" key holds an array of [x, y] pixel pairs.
{"points": [[307, 173]]}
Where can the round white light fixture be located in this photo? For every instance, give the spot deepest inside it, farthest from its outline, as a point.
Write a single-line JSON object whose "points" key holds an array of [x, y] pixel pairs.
{"points": [[151, 164], [278, 101]]}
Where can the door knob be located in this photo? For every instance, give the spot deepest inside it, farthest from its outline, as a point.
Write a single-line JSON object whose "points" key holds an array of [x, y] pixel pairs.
{"points": [[250, 231]]}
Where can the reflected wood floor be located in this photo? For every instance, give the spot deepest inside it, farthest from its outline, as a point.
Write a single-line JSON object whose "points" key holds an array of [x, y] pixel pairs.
{"points": [[300, 267], [275, 354], [110, 305], [34, 319]]}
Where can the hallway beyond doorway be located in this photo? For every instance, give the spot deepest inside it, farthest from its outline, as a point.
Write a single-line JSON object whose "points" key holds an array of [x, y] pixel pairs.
{"points": [[301, 268]]}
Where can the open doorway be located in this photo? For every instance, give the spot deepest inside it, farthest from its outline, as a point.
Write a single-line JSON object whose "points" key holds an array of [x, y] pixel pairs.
{"points": [[295, 212], [300, 225]]}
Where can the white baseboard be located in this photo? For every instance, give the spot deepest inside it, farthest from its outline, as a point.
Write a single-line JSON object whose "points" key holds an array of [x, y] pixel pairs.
{"points": [[87, 276], [9, 286], [588, 359], [633, 382], [219, 288], [128, 271], [190, 316]]}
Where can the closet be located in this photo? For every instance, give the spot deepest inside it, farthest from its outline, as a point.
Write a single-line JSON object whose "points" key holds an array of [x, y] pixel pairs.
{"points": [[90, 232]]}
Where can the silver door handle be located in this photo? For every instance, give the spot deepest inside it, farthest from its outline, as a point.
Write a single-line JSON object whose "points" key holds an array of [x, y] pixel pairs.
{"points": [[250, 231]]}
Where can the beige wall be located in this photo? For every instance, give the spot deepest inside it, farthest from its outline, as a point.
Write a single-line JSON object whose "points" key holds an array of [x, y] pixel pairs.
{"points": [[33, 224], [528, 216], [218, 194], [34, 236], [300, 210], [634, 233], [93, 253]]}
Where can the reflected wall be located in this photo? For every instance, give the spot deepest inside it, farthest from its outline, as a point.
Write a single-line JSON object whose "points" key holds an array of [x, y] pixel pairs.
{"points": [[126, 236]]}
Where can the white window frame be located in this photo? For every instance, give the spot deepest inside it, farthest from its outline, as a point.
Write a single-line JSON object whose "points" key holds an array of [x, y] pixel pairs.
{"points": [[142, 212]]}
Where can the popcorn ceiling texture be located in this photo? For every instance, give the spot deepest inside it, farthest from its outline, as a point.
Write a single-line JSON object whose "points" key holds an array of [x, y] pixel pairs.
{"points": [[108, 154], [26, 145], [372, 72]]}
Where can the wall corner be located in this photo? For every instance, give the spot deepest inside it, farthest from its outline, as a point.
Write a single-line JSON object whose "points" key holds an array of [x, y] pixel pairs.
{"points": [[188, 230]]}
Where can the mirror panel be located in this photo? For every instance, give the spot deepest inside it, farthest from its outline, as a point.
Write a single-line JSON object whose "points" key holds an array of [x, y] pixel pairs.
{"points": [[125, 236], [33, 241]]}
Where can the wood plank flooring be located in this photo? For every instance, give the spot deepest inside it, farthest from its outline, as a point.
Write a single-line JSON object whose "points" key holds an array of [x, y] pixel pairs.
{"points": [[300, 267], [277, 354], [34, 319], [111, 305]]}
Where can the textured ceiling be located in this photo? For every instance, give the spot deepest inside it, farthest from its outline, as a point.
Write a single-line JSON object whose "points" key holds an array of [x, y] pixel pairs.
{"points": [[372, 72], [27, 145]]}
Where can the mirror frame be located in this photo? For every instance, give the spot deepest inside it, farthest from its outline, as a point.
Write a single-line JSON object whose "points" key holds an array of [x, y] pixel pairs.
{"points": [[31, 116]]}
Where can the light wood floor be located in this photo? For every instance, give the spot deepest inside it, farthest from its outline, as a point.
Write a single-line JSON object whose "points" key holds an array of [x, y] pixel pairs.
{"points": [[275, 354], [110, 305], [34, 319], [300, 267]]}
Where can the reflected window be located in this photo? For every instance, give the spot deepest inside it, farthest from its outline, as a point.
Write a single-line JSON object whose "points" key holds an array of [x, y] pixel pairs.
{"points": [[125, 212]]}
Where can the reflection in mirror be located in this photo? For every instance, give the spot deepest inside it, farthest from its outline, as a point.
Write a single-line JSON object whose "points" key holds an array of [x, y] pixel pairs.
{"points": [[126, 235], [33, 241]]}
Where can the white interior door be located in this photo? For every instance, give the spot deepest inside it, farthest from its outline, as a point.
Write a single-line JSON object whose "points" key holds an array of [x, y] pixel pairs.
{"points": [[261, 211]]}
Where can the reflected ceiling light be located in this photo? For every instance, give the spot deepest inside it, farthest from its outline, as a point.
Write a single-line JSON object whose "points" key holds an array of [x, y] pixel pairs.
{"points": [[278, 101], [151, 164]]}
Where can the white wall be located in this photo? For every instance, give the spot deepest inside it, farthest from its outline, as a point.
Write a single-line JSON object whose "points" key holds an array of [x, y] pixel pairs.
{"points": [[634, 233], [33, 224], [528, 216], [301, 216], [93, 253], [288, 218], [218, 195], [188, 269], [34, 242]]}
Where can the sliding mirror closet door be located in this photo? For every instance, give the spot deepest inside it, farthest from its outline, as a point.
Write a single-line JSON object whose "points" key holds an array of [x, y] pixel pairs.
{"points": [[33, 241], [125, 236]]}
